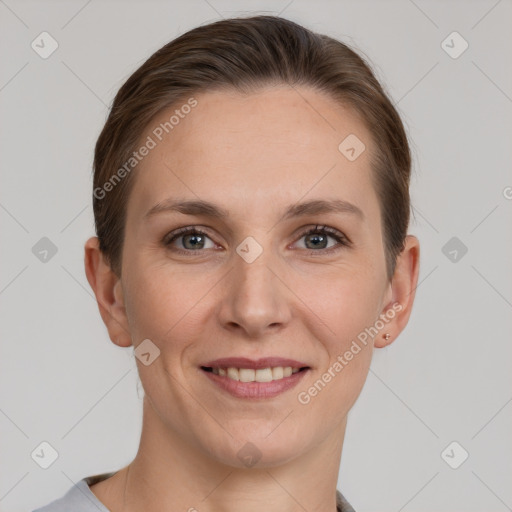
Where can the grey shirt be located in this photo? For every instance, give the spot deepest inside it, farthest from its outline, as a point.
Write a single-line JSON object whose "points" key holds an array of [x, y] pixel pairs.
{"points": [[80, 498]]}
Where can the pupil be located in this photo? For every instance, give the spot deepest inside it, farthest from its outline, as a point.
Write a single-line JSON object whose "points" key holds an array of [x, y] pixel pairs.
{"points": [[194, 246], [315, 236]]}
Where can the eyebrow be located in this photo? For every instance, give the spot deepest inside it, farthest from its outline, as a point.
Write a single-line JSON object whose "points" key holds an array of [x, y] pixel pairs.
{"points": [[208, 209]]}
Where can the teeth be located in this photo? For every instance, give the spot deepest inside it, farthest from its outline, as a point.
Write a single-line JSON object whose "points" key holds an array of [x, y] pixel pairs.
{"points": [[263, 375], [277, 373], [246, 375], [260, 375], [233, 373]]}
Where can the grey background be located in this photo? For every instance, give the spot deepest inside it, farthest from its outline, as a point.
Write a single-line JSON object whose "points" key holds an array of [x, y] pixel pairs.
{"points": [[447, 378]]}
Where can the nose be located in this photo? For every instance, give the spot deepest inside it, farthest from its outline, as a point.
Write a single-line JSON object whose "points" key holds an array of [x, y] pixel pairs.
{"points": [[255, 300]]}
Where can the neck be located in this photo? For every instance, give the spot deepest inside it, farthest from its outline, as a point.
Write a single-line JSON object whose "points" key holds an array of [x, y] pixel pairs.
{"points": [[168, 473]]}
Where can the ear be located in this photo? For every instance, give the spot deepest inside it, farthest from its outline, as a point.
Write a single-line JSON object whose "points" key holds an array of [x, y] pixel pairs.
{"points": [[402, 291], [109, 293]]}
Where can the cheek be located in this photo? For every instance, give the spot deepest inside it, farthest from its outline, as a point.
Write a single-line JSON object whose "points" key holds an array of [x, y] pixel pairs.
{"points": [[345, 301], [347, 304], [339, 379], [164, 304]]}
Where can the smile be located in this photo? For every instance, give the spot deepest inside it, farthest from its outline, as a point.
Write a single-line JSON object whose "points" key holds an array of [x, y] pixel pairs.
{"points": [[255, 375], [254, 379]]}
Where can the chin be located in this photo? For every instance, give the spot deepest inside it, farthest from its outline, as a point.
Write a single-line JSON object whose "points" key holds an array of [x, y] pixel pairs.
{"points": [[259, 450]]}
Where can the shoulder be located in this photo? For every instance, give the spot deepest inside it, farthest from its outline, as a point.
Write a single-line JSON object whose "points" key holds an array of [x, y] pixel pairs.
{"points": [[78, 498], [342, 505]]}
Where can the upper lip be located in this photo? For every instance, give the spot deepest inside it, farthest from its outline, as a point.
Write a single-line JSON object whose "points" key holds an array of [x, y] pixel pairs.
{"points": [[244, 362]]}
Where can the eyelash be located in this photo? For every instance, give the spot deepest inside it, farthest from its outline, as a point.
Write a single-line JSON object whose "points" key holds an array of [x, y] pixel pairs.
{"points": [[342, 240]]}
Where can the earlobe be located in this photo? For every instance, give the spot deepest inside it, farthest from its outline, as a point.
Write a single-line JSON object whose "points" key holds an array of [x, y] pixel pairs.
{"points": [[108, 291], [403, 291]]}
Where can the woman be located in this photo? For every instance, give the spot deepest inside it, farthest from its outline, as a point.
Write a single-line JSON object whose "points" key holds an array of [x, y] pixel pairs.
{"points": [[251, 200]]}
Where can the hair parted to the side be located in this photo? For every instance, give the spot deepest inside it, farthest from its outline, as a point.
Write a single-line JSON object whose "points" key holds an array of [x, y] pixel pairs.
{"points": [[245, 54]]}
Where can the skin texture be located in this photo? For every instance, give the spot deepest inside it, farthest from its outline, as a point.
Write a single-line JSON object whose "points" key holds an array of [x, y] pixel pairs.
{"points": [[254, 155]]}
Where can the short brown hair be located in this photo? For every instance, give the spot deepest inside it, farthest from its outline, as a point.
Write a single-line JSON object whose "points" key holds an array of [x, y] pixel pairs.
{"points": [[244, 54]]}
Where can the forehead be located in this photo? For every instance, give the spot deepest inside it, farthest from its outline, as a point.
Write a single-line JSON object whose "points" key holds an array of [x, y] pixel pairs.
{"points": [[253, 151]]}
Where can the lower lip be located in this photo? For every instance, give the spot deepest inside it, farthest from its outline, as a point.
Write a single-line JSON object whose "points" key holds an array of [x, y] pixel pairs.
{"points": [[256, 389]]}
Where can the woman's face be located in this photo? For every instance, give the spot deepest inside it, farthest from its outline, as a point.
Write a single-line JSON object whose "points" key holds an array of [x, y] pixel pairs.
{"points": [[254, 285]]}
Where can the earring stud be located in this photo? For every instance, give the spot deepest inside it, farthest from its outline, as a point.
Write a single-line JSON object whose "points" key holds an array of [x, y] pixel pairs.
{"points": [[387, 336]]}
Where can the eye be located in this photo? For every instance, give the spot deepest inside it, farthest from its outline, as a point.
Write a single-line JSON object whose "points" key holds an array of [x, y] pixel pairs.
{"points": [[316, 239], [191, 240]]}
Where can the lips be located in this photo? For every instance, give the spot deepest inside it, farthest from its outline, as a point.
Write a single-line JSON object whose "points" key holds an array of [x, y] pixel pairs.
{"points": [[261, 378], [255, 383]]}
